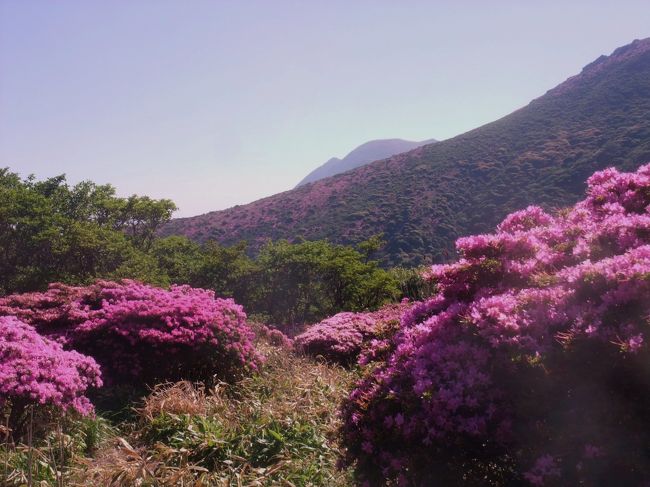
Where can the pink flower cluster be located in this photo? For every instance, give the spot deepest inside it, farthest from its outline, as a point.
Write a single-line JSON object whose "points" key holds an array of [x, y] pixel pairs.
{"points": [[526, 326], [342, 337], [272, 335], [36, 370], [142, 333]]}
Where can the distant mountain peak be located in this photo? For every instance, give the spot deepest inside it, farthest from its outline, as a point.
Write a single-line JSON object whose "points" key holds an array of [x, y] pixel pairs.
{"points": [[366, 153]]}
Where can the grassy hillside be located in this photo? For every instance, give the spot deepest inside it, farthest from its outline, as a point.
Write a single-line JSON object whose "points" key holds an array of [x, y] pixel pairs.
{"points": [[424, 199]]}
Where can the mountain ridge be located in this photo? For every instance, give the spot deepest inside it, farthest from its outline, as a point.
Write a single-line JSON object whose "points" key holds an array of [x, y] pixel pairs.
{"points": [[365, 153], [424, 199]]}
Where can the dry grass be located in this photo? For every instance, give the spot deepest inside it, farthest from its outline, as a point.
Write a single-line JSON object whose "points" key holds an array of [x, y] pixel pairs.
{"points": [[174, 398], [121, 465], [276, 428]]}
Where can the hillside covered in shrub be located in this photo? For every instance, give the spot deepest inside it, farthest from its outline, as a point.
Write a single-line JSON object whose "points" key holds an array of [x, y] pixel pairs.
{"points": [[529, 366], [473, 312], [423, 200]]}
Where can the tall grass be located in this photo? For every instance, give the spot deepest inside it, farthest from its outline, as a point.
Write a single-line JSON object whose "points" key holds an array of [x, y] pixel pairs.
{"points": [[275, 428]]}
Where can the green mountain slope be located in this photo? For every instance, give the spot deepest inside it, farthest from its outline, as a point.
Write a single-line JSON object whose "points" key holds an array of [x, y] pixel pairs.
{"points": [[424, 199]]}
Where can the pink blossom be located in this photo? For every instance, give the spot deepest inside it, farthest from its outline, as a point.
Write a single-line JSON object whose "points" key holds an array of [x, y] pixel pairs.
{"points": [[36, 370], [342, 337], [512, 317], [140, 332]]}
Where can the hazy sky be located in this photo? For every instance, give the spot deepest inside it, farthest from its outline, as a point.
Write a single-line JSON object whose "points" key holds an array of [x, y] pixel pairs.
{"points": [[217, 103]]}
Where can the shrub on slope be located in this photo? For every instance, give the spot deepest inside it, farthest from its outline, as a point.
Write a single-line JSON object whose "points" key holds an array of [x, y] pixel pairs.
{"points": [[530, 364], [341, 338], [36, 371], [139, 333]]}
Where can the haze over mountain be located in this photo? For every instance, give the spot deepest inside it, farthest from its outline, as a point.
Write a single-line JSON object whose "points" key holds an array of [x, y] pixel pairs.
{"points": [[424, 199], [362, 155]]}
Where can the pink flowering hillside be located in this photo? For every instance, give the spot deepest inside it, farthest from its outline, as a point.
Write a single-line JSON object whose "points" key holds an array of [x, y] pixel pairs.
{"points": [[530, 366], [342, 337], [37, 371], [139, 333]]}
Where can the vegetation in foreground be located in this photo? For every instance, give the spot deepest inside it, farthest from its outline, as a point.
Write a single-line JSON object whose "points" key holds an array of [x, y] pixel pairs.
{"points": [[275, 428], [530, 364]]}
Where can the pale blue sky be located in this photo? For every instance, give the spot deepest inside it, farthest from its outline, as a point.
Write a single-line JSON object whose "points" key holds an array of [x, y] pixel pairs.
{"points": [[216, 103]]}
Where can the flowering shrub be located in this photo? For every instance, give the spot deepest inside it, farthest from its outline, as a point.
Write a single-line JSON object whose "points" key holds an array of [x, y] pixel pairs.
{"points": [[337, 338], [272, 335], [530, 364], [139, 333], [342, 337], [37, 371]]}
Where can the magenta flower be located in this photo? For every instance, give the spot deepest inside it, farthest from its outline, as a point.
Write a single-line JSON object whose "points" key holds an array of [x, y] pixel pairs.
{"points": [[526, 317], [342, 337], [139, 333], [35, 370]]}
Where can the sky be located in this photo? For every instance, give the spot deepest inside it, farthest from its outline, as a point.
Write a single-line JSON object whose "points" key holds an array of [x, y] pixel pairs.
{"points": [[217, 103]]}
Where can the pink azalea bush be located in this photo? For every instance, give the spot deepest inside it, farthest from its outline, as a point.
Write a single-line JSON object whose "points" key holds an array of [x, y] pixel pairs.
{"points": [[342, 337], [530, 365], [35, 370], [272, 335], [337, 338], [141, 334]]}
